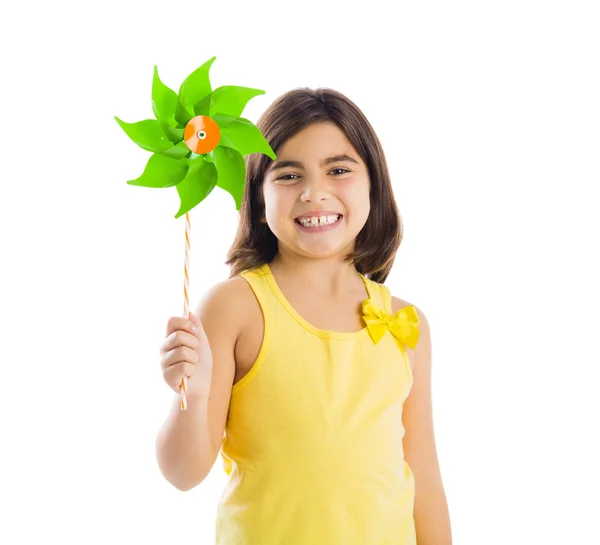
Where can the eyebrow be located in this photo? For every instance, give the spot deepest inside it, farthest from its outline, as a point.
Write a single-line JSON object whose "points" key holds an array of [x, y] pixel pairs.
{"points": [[297, 164]]}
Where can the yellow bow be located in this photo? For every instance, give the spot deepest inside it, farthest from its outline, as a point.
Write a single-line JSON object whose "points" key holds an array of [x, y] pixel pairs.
{"points": [[404, 325]]}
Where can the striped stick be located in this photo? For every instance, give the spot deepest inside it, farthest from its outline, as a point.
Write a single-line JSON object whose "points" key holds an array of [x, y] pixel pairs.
{"points": [[186, 300]]}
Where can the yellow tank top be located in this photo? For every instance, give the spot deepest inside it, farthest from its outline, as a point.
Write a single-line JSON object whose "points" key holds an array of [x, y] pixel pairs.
{"points": [[313, 440]]}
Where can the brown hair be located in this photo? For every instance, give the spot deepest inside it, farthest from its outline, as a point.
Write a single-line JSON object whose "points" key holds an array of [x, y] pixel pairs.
{"points": [[379, 239]]}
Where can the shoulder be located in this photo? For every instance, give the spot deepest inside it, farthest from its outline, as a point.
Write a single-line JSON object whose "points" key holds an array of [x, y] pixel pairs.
{"points": [[423, 347], [227, 302], [226, 292]]}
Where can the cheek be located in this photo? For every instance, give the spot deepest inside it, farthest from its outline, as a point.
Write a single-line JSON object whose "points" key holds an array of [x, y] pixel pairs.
{"points": [[268, 196], [355, 195], [277, 202]]}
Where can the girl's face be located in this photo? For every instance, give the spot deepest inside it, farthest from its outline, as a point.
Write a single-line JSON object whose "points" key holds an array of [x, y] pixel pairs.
{"points": [[316, 193]]}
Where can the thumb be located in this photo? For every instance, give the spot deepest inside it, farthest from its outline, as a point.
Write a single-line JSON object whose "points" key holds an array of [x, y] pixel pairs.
{"points": [[198, 329]]}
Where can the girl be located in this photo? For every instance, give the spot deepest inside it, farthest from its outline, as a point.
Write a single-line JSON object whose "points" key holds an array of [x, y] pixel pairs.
{"points": [[308, 377]]}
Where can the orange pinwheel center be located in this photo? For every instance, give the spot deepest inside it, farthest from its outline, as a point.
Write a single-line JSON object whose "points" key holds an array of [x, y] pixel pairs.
{"points": [[202, 134]]}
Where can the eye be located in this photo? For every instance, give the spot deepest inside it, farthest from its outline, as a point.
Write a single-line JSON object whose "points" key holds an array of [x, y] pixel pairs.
{"points": [[343, 170], [286, 177]]}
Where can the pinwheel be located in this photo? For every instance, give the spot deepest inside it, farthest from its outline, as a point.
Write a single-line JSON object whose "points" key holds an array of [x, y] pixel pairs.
{"points": [[198, 141]]}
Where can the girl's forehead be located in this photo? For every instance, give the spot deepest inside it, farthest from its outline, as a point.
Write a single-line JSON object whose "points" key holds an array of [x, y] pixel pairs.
{"points": [[318, 141], [322, 130]]}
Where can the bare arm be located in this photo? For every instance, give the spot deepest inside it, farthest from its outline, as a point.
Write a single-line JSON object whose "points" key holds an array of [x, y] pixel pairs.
{"points": [[432, 519], [188, 443], [183, 446]]}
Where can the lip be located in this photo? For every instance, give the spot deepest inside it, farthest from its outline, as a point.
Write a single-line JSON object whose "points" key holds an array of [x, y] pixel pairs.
{"points": [[318, 213]]}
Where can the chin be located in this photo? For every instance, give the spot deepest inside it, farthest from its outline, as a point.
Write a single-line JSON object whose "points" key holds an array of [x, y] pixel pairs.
{"points": [[326, 251]]}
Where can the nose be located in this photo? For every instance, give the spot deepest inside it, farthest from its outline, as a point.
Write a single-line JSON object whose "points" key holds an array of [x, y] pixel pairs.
{"points": [[314, 190]]}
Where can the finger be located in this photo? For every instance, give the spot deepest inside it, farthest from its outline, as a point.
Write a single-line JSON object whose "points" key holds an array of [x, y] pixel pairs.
{"points": [[176, 323], [179, 355], [174, 374], [180, 338], [183, 354], [176, 339]]}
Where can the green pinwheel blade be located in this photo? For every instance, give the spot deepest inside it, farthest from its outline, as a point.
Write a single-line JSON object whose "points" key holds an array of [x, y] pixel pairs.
{"points": [[231, 100], [146, 134], [177, 151], [164, 104], [197, 185], [203, 107], [231, 169], [174, 134], [226, 141], [193, 89], [162, 171], [182, 115], [196, 161], [245, 135]]}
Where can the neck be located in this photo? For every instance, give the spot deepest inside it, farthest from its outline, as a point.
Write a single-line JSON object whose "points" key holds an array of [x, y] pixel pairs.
{"points": [[329, 275]]}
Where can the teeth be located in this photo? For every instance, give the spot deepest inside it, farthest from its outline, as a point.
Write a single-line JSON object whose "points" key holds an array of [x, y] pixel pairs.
{"points": [[322, 220]]}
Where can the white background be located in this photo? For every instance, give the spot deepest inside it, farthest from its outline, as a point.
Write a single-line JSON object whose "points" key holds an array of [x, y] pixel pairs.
{"points": [[489, 115]]}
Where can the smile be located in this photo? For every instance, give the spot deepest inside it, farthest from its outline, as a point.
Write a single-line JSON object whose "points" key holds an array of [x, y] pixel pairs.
{"points": [[318, 224]]}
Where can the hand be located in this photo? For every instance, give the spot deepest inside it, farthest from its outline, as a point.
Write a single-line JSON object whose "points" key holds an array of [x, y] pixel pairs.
{"points": [[186, 352]]}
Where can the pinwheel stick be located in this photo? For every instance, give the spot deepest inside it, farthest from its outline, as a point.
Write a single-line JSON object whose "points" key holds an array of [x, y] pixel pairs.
{"points": [[186, 300]]}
